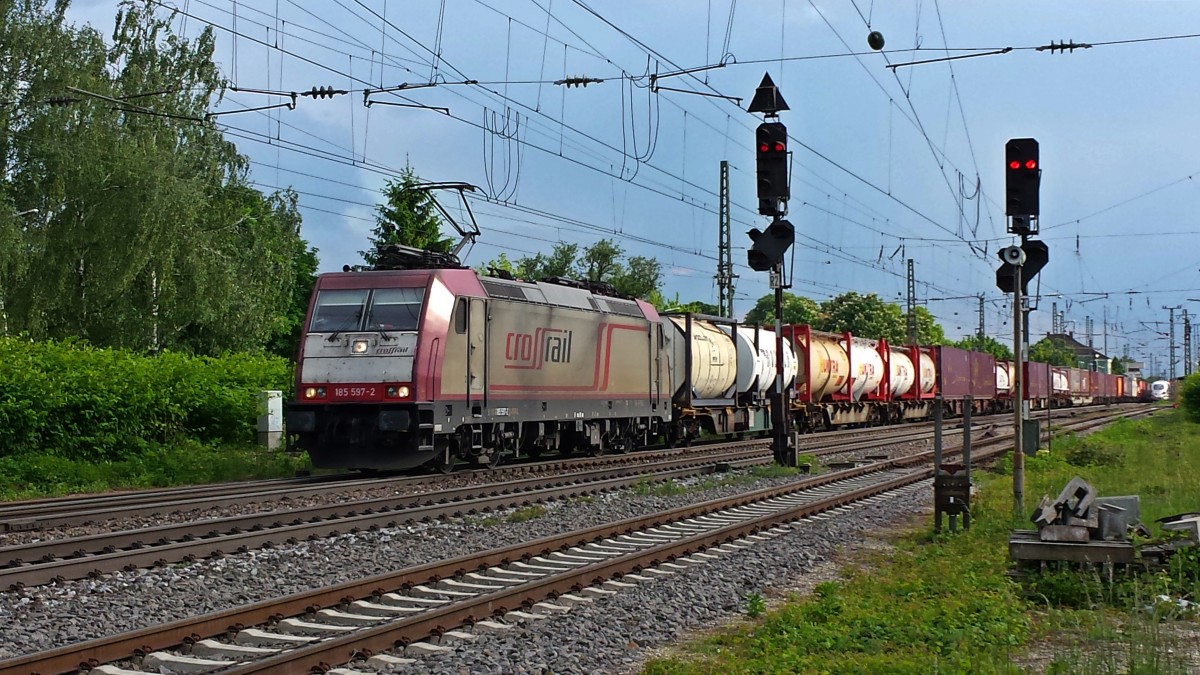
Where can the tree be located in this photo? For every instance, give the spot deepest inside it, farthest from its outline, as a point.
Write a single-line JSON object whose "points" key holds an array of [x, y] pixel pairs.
{"points": [[604, 261], [407, 217], [694, 307], [867, 316], [1052, 351], [929, 331], [796, 309], [1118, 366], [987, 345], [148, 234], [286, 336]]}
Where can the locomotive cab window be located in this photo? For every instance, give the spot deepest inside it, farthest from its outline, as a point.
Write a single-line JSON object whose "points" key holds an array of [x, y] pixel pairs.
{"points": [[338, 310], [395, 309], [460, 316]]}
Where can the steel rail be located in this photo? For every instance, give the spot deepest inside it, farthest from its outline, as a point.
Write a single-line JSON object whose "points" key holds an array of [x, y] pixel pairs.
{"points": [[78, 557], [62, 511], [126, 645]]}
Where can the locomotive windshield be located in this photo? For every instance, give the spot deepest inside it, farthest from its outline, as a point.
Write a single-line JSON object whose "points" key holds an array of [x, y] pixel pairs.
{"points": [[396, 309]]}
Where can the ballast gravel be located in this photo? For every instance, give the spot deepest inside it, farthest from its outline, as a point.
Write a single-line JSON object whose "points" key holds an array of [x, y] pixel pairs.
{"points": [[348, 495], [617, 633], [43, 617]]}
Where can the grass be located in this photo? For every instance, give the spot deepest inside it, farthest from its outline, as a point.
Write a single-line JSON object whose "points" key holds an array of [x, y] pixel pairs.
{"points": [[946, 603], [33, 475], [649, 488], [520, 515]]}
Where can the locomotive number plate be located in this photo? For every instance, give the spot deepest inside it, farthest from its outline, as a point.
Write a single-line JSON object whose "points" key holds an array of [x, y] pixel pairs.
{"points": [[356, 392]]}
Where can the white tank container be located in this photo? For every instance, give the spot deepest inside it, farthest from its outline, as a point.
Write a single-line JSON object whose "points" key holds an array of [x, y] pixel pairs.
{"points": [[756, 366], [1003, 381], [867, 366], [714, 358], [1058, 382], [928, 373], [901, 375], [825, 362]]}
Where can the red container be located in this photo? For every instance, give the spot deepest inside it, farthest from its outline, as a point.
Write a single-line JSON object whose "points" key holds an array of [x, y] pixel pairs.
{"points": [[1037, 381], [954, 372], [983, 376]]}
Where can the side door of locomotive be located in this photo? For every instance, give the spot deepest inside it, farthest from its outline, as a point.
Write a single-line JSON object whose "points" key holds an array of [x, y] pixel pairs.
{"points": [[477, 355]]}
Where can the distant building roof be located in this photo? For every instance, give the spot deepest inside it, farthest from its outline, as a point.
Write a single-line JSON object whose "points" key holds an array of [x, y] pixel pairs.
{"points": [[1081, 350]]}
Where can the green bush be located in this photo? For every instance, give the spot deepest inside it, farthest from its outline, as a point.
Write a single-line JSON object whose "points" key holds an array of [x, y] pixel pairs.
{"points": [[81, 403], [1189, 396], [25, 476]]}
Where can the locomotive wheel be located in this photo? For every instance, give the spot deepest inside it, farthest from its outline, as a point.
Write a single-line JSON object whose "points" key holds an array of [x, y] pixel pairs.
{"points": [[490, 460], [444, 462]]}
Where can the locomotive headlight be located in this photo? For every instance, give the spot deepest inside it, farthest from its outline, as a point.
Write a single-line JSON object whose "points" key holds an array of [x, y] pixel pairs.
{"points": [[314, 392], [358, 347], [401, 391]]}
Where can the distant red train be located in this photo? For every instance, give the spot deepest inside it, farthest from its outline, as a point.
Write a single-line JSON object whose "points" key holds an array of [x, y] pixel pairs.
{"points": [[440, 365]]}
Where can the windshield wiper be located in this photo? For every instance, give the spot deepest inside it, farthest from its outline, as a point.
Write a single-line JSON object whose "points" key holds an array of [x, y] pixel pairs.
{"points": [[383, 334], [345, 325]]}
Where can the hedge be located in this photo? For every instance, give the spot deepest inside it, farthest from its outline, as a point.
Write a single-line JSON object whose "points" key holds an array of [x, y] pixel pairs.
{"points": [[85, 403]]}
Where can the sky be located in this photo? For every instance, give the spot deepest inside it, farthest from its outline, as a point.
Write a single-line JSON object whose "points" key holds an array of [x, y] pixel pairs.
{"points": [[889, 164]]}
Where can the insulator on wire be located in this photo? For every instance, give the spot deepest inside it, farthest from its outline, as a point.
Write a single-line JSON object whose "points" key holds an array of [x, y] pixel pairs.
{"points": [[323, 92]]}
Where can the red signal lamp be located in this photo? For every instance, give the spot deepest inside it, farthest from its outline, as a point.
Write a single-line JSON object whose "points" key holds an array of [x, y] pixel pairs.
{"points": [[780, 147], [1031, 164], [1014, 164]]}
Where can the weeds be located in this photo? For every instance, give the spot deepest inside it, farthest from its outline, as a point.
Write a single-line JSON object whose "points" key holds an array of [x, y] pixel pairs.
{"points": [[946, 604], [755, 606], [526, 513], [649, 488]]}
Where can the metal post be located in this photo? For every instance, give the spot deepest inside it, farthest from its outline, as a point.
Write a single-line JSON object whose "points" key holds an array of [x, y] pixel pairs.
{"points": [[968, 404], [725, 275], [1171, 347], [1187, 344], [937, 433], [937, 463], [778, 407], [982, 318], [1018, 400], [1049, 431], [911, 319]]}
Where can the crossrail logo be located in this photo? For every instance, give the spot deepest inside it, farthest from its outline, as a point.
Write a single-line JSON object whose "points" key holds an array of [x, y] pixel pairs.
{"points": [[532, 351]]}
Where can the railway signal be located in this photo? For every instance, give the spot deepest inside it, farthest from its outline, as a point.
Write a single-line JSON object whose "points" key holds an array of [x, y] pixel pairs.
{"points": [[1022, 183], [1033, 256], [766, 254], [769, 247], [772, 167]]}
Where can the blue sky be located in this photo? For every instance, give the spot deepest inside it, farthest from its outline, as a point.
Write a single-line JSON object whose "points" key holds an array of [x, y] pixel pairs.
{"points": [[886, 163]]}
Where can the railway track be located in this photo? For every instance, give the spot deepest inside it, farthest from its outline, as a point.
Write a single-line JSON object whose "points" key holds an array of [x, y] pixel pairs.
{"points": [[56, 560], [357, 622], [82, 510]]}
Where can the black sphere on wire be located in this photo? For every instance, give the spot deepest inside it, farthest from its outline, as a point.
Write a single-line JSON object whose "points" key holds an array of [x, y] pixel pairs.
{"points": [[875, 40]]}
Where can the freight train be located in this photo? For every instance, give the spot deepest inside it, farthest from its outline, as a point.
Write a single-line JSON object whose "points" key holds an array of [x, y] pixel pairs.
{"points": [[440, 365]]}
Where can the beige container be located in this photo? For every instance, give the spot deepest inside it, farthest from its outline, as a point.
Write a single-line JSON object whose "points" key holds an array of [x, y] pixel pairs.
{"points": [[714, 357], [825, 362]]}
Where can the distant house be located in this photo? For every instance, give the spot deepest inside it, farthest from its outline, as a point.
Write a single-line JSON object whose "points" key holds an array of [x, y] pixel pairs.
{"points": [[1086, 357]]}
